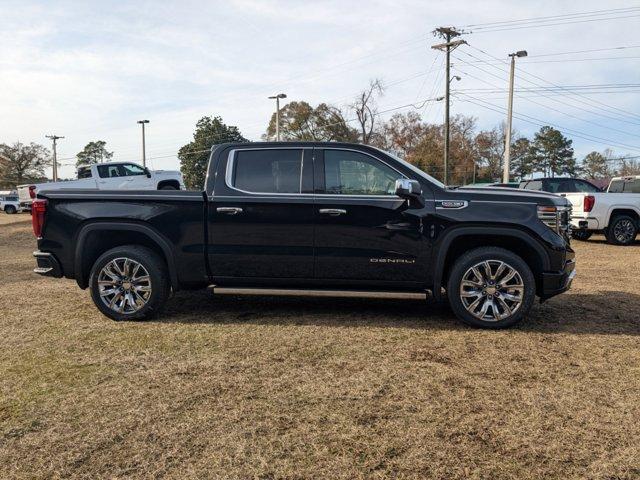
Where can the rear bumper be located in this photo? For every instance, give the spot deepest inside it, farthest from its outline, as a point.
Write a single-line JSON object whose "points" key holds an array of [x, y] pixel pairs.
{"points": [[47, 264], [554, 283], [584, 223]]}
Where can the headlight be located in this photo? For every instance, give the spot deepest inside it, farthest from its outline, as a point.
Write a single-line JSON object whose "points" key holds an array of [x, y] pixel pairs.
{"points": [[556, 218]]}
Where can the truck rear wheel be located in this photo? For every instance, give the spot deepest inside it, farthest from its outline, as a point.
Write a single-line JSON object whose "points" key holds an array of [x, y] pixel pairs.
{"points": [[622, 230], [581, 235], [10, 209], [129, 283], [491, 287]]}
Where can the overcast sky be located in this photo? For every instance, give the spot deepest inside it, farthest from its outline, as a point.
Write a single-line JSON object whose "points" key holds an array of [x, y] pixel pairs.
{"points": [[89, 70]]}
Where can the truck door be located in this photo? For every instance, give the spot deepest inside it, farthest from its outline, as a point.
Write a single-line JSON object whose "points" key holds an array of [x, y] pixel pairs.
{"points": [[364, 231], [261, 215]]}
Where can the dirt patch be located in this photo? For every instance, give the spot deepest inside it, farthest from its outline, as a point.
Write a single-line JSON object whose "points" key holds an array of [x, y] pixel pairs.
{"points": [[302, 386]]}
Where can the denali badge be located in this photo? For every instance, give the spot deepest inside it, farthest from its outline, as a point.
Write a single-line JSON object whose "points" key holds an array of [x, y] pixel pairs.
{"points": [[390, 260], [453, 204]]}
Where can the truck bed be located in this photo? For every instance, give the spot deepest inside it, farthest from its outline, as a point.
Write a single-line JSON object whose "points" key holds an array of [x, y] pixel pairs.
{"points": [[175, 216]]}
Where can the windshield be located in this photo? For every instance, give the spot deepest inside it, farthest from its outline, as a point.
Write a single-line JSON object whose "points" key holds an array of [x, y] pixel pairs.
{"points": [[413, 168]]}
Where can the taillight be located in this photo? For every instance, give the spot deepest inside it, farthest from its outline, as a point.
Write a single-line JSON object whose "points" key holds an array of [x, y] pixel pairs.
{"points": [[32, 191], [588, 203], [38, 209]]}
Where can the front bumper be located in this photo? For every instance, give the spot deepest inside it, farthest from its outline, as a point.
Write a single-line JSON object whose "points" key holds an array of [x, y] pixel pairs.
{"points": [[555, 283], [47, 264]]}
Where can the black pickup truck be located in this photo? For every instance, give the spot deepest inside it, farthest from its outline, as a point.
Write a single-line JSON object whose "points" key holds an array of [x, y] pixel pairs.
{"points": [[310, 215]]}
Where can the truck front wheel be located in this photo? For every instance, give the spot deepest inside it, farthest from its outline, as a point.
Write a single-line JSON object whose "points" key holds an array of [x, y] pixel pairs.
{"points": [[129, 283], [491, 287]]}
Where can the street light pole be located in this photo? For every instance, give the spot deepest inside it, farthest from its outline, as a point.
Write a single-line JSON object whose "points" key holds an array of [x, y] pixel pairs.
{"points": [[144, 149], [277, 98], [507, 140], [55, 139]]}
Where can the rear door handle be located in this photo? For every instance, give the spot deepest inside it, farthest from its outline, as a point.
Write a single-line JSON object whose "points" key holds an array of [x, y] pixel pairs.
{"points": [[229, 210], [334, 212]]}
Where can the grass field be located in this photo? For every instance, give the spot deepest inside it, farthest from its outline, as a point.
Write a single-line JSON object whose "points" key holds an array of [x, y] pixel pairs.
{"points": [[259, 386]]}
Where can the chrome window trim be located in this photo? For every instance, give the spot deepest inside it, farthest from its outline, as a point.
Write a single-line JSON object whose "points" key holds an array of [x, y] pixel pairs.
{"points": [[231, 158]]}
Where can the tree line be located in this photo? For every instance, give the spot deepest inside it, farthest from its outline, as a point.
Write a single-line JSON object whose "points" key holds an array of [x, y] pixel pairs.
{"points": [[475, 155]]}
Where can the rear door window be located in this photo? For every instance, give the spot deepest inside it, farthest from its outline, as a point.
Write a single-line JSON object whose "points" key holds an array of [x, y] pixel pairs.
{"points": [[266, 171]]}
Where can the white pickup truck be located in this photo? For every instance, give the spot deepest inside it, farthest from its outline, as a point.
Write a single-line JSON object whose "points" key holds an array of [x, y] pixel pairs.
{"points": [[10, 204], [616, 212], [109, 176]]}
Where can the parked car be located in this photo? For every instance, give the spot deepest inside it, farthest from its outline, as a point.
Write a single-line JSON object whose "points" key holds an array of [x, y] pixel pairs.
{"points": [[630, 184], [10, 204], [617, 215], [310, 215], [109, 176], [559, 185]]}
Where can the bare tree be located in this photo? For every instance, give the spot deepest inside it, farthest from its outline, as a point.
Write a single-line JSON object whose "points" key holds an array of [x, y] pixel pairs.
{"points": [[366, 110]]}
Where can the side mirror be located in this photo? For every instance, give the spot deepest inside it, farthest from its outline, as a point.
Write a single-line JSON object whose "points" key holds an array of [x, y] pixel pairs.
{"points": [[147, 172], [409, 190]]}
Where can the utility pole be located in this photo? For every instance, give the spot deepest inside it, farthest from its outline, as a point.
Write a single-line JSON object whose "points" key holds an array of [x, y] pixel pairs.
{"points": [[507, 139], [277, 98], [55, 139], [447, 33], [144, 150]]}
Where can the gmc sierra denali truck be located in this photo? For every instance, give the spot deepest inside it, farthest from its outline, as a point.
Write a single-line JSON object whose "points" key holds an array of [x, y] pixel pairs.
{"points": [[332, 216]]}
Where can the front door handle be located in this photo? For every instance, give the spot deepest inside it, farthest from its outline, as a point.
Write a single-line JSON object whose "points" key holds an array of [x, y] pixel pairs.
{"points": [[229, 210], [334, 212]]}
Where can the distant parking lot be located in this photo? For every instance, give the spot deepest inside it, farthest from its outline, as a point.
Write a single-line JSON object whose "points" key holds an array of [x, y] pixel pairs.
{"points": [[306, 386]]}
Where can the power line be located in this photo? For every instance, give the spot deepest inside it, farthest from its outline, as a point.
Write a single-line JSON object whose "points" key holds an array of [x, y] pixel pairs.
{"points": [[618, 117], [552, 17], [624, 47], [542, 123], [590, 101], [554, 109]]}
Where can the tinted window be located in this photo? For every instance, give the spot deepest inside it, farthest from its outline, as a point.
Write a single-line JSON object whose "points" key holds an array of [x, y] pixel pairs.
{"points": [[559, 185], [353, 173], [268, 171], [533, 185], [582, 186], [616, 186], [632, 186], [10, 199], [84, 172], [129, 169], [109, 171]]}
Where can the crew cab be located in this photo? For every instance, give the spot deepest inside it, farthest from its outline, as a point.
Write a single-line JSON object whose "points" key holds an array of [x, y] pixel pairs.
{"points": [[299, 215], [109, 176]]}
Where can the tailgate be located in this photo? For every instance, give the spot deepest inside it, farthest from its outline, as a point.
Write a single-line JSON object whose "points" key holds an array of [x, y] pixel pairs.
{"points": [[23, 193], [577, 202]]}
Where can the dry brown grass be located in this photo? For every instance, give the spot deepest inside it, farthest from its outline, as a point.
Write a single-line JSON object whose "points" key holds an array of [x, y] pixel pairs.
{"points": [[246, 386]]}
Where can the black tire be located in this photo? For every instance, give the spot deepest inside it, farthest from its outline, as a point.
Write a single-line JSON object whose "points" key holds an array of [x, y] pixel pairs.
{"points": [[158, 281], [622, 230], [168, 187], [495, 256], [10, 209], [581, 235]]}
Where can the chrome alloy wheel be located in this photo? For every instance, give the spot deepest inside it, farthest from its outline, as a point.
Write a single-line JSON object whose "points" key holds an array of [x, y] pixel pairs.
{"points": [[624, 230], [492, 290], [124, 285]]}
